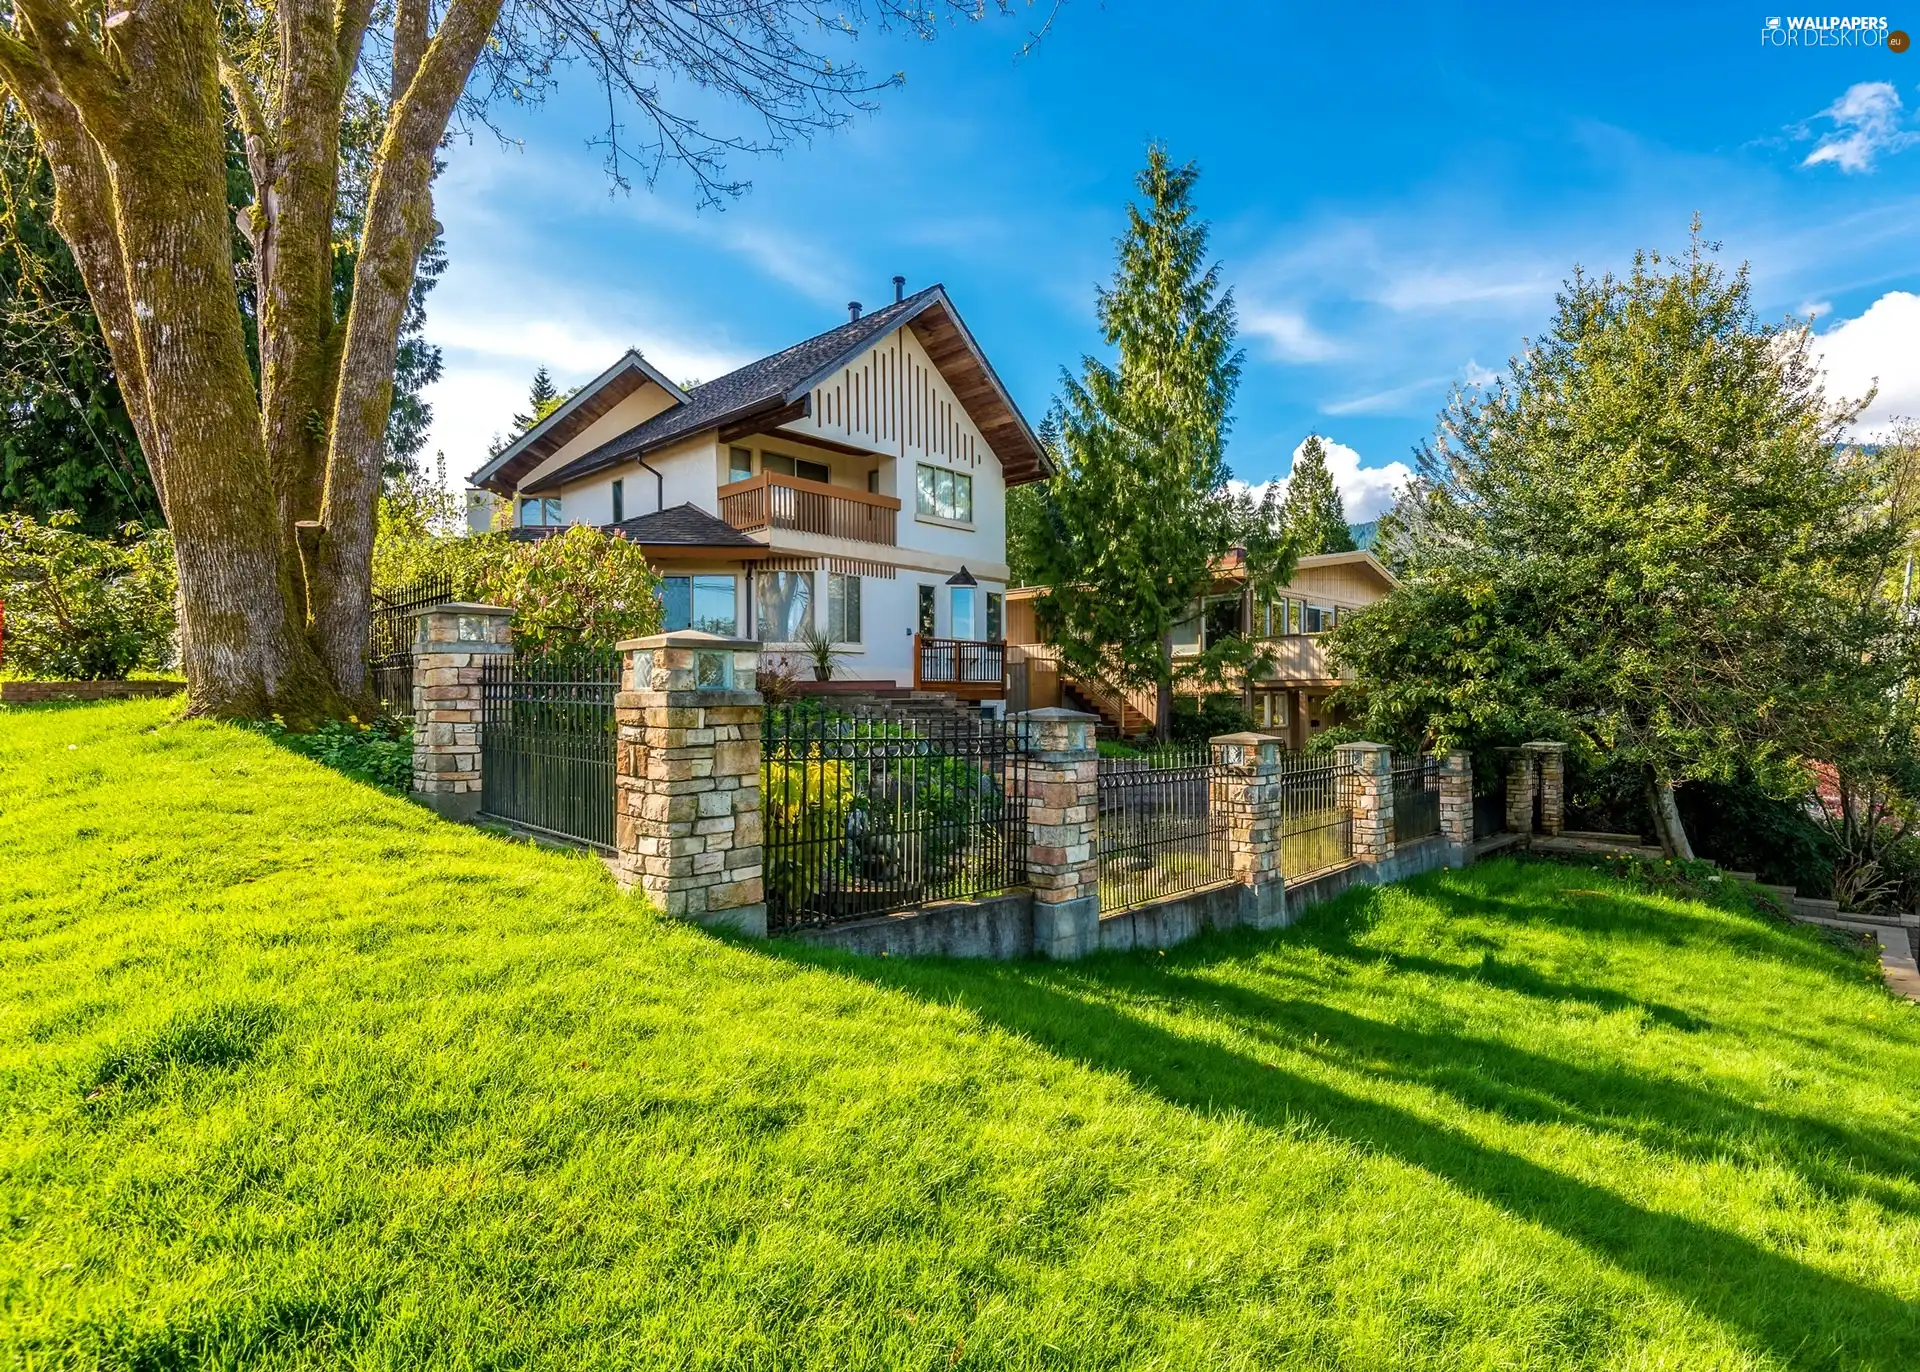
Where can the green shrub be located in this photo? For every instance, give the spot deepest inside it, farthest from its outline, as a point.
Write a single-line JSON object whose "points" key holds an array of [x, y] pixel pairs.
{"points": [[380, 753], [806, 800], [81, 608], [1197, 721]]}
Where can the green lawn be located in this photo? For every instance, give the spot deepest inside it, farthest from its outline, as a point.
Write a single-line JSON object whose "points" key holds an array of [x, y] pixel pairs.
{"points": [[294, 1075]]}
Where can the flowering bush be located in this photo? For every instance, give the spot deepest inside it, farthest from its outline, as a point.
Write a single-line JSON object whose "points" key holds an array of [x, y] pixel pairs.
{"points": [[85, 608]]}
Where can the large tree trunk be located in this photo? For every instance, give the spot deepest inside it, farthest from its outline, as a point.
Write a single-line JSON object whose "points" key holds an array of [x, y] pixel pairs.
{"points": [[1667, 824], [399, 223], [132, 119]]}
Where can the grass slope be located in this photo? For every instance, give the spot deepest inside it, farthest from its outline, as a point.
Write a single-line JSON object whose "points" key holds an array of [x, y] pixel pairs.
{"points": [[293, 1075]]}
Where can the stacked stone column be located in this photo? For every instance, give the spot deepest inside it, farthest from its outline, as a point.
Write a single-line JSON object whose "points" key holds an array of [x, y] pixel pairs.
{"points": [[1063, 823], [1520, 771], [1246, 796], [450, 645], [687, 816], [1456, 804], [1552, 771], [1368, 772]]}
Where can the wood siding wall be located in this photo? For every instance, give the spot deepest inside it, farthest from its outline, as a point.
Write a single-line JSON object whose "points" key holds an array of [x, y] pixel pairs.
{"points": [[895, 400]]}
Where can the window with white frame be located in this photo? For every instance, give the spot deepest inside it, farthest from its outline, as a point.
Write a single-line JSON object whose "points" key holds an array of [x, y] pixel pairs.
{"points": [[944, 494], [786, 605], [843, 608], [962, 605]]}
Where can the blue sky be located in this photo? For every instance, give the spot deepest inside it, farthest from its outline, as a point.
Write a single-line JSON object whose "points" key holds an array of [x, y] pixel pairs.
{"points": [[1395, 197]]}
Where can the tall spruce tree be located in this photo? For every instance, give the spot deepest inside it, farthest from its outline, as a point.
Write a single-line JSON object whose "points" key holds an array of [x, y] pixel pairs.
{"points": [[1138, 514], [1314, 512]]}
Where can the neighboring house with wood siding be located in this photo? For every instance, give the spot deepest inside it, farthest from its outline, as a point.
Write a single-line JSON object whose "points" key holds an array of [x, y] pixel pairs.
{"points": [[1288, 698], [855, 482]]}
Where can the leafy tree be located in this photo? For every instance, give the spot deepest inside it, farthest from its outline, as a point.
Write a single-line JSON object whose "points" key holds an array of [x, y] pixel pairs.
{"points": [[270, 481], [66, 440], [1132, 527], [85, 608], [1650, 540], [1315, 514]]}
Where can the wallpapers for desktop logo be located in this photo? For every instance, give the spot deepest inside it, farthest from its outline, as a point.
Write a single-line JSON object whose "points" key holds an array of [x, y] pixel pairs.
{"points": [[1832, 31]]}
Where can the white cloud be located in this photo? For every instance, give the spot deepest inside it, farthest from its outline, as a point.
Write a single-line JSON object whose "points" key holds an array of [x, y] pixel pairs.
{"points": [[1866, 123], [1292, 337], [1397, 400], [1444, 288], [1367, 492], [1477, 375], [1881, 345], [1810, 309]]}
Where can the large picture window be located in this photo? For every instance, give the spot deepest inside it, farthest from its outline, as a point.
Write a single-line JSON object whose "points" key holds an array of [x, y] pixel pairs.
{"points": [[944, 494], [843, 608], [964, 600], [786, 605], [699, 602]]}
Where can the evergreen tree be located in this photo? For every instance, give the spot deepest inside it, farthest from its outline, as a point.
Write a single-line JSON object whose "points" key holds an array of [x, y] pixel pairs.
{"points": [[1650, 540], [1132, 525], [1314, 512], [542, 398]]}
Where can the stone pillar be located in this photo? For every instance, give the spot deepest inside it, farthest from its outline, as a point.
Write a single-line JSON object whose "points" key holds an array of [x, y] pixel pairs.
{"points": [[687, 819], [1456, 805], [1519, 790], [1553, 784], [450, 644], [1368, 772], [1063, 828], [1246, 794]]}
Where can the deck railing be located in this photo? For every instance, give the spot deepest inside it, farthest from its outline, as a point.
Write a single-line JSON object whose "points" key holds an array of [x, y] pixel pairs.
{"points": [[772, 501], [966, 667]]}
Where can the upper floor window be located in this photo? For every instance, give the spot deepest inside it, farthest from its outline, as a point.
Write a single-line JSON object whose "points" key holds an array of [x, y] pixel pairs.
{"points": [[739, 463], [619, 501], [1318, 619], [944, 494], [782, 465], [539, 514]]}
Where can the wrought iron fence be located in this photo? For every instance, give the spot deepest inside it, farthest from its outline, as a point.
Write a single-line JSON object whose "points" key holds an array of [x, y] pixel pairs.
{"points": [[1416, 798], [1316, 816], [864, 815], [547, 742], [390, 640], [1489, 807], [1161, 832]]}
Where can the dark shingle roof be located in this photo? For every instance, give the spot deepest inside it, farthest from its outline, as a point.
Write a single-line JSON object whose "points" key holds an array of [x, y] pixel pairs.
{"points": [[738, 393], [688, 525]]}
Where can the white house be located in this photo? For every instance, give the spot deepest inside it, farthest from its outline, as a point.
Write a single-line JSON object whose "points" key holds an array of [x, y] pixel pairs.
{"points": [[855, 481]]}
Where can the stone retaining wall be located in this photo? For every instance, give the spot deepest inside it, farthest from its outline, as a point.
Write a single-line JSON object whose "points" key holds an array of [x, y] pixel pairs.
{"points": [[37, 692]]}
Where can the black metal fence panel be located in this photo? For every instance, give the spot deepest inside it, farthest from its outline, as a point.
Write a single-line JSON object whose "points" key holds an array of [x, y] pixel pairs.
{"points": [[547, 742], [1316, 818], [1490, 811], [864, 815], [1416, 798], [390, 631], [1161, 830]]}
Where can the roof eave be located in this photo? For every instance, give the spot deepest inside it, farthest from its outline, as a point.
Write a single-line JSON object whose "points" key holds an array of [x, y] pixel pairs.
{"points": [[630, 359]]}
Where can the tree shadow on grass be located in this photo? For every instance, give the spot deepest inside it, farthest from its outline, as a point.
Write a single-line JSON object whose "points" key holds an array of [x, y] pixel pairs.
{"points": [[1798, 1313]]}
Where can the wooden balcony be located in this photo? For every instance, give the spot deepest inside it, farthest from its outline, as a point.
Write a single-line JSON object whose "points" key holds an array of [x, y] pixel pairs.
{"points": [[770, 501], [1297, 657], [967, 668]]}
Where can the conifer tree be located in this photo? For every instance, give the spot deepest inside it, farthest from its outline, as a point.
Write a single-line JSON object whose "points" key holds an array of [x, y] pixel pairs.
{"points": [[542, 397], [1314, 512], [1138, 514]]}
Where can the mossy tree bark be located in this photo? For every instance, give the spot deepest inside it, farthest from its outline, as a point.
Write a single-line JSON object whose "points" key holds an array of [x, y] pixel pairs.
{"points": [[130, 111]]}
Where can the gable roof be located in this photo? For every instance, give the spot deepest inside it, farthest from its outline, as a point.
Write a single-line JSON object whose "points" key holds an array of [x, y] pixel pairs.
{"points": [[779, 387], [679, 526], [565, 422]]}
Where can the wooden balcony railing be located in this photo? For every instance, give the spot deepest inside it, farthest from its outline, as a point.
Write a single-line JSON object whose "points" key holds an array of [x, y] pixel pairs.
{"points": [[968, 668], [770, 501]]}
